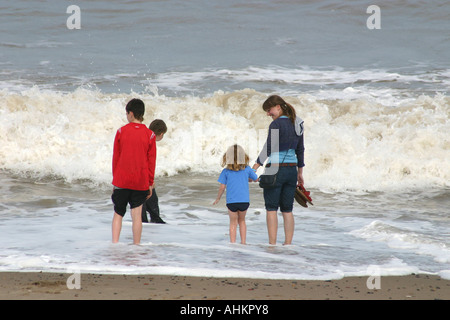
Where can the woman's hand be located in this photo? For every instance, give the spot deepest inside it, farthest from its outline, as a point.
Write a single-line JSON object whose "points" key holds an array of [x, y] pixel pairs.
{"points": [[300, 176]]}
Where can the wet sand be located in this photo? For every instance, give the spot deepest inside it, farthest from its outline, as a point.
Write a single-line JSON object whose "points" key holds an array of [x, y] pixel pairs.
{"points": [[55, 286]]}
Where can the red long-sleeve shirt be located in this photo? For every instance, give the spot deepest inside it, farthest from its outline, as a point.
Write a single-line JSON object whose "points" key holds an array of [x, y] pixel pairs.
{"points": [[134, 157]]}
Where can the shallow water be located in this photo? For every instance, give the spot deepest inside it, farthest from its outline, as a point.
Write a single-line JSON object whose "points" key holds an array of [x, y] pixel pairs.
{"points": [[60, 228], [375, 105]]}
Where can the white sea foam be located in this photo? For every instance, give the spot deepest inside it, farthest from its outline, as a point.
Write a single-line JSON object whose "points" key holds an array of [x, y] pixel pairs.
{"points": [[388, 87], [351, 144], [403, 238]]}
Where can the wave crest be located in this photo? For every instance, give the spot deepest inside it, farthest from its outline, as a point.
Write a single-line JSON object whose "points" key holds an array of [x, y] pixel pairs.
{"points": [[351, 144]]}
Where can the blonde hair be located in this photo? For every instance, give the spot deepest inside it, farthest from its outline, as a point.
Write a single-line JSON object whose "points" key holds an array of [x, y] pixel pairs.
{"points": [[235, 158]]}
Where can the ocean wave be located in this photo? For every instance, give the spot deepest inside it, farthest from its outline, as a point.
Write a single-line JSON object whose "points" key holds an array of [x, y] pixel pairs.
{"points": [[389, 86], [351, 143]]}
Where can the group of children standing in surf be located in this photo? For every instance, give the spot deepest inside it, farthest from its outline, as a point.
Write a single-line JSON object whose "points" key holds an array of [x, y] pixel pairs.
{"points": [[134, 160]]}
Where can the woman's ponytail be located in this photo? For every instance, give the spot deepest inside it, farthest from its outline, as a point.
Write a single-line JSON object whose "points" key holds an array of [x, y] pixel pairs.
{"points": [[289, 111]]}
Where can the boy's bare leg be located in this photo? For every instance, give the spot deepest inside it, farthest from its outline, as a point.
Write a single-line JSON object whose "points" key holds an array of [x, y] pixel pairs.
{"points": [[116, 227], [136, 216]]}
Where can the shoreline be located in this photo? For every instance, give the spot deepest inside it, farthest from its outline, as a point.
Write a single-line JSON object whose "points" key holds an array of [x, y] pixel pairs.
{"points": [[54, 286]]}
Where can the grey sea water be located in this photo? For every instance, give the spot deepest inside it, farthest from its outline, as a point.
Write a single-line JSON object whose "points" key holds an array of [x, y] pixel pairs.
{"points": [[375, 104]]}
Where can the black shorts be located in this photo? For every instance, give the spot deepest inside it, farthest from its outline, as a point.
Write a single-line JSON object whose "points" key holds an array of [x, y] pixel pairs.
{"points": [[122, 197], [238, 206]]}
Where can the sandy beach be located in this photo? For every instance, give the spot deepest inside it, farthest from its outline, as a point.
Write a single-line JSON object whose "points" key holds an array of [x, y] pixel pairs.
{"points": [[54, 286]]}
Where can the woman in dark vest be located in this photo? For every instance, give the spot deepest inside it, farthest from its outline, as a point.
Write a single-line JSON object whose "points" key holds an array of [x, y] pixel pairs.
{"points": [[284, 151]]}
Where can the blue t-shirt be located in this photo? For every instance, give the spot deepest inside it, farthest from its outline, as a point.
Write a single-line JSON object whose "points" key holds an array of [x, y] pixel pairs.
{"points": [[237, 184]]}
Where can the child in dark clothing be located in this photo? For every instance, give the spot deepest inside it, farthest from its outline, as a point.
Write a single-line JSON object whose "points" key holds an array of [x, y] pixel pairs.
{"points": [[151, 205], [287, 131]]}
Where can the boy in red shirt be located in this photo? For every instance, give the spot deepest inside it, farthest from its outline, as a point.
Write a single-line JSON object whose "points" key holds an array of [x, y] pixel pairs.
{"points": [[133, 169]]}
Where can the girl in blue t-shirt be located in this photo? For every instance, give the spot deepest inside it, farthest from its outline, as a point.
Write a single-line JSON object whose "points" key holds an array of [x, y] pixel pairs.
{"points": [[235, 178]]}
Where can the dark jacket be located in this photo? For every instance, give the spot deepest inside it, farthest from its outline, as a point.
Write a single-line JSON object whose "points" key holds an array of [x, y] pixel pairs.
{"points": [[290, 136]]}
